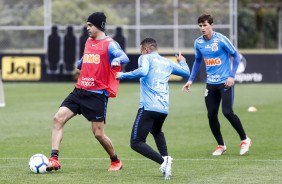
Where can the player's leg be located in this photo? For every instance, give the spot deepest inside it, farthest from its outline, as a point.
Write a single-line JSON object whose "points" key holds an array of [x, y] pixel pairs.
{"points": [[94, 108], [227, 109], [105, 141], [140, 130], [158, 135], [212, 100], [68, 109], [60, 118]]}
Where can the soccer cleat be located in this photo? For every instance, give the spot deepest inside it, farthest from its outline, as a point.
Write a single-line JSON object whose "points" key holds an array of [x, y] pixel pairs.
{"points": [[245, 146], [166, 167], [219, 150], [53, 164], [115, 166], [163, 165]]}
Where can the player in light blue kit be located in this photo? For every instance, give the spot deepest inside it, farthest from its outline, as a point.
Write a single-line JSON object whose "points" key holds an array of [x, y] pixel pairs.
{"points": [[154, 72], [214, 49]]}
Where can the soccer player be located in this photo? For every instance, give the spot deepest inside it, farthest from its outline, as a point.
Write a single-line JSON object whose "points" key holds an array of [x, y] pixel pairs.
{"points": [[154, 72], [214, 49], [101, 60]]}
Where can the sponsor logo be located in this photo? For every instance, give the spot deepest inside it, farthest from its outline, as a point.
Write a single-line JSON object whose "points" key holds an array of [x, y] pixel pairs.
{"points": [[163, 98], [99, 117], [159, 86], [27, 68], [91, 58], [246, 77], [213, 78], [87, 81], [212, 62], [162, 72]]}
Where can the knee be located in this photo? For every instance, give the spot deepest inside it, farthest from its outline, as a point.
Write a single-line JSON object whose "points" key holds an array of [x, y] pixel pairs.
{"points": [[155, 132], [58, 121], [227, 113], [134, 144], [98, 135], [212, 116]]}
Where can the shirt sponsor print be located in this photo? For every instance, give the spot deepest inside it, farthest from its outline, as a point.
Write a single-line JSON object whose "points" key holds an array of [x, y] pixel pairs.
{"points": [[91, 58], [213, 78], [212, 61], [87, 81], [159, 86]]}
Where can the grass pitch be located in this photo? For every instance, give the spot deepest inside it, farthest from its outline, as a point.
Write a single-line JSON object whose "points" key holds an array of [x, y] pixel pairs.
{"points": [[26, 121]]}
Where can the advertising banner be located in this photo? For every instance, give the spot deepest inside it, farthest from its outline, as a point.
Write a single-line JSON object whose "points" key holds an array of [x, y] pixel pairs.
{"points": [[253, 68], [21, 68]]}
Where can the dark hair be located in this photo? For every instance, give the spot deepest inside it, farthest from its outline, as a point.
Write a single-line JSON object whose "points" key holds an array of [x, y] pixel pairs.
{"points": [[149, 42], [205, 17]]}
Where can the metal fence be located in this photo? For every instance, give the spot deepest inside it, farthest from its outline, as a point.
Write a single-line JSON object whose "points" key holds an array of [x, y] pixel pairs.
{"points": [[26, 25]]}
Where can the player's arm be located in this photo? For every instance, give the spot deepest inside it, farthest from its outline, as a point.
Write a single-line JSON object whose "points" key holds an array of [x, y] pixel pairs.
{"points": [[117, 55], [236, 61], [142, 70], [182, 68], [195, 69], [79, 63], [229, 47]]}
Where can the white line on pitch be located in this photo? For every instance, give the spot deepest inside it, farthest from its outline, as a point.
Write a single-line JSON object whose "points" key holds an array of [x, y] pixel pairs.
{"points": [[142, 159]]}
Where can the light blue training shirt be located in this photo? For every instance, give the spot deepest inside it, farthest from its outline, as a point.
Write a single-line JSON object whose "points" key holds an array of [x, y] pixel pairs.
{"points": [[216, 55], [154, 72]]}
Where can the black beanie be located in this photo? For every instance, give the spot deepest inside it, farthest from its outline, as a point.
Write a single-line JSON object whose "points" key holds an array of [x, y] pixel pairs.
{"points": [[98, 19]]}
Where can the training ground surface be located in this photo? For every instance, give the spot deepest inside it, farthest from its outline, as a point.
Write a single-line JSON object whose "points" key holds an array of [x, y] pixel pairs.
{"points": [[26, 122]]}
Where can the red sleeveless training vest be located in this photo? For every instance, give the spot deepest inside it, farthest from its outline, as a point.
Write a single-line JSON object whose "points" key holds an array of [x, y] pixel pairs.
{"points": [[96, 72]]}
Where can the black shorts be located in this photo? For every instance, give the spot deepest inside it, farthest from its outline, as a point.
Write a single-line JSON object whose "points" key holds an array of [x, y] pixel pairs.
{"points": [[93, 106]]}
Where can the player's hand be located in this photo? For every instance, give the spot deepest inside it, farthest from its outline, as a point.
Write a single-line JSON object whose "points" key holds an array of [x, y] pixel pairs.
{"points": [[118, 74], [115, 63], [229, 82], [179, 57], [187, 86]]}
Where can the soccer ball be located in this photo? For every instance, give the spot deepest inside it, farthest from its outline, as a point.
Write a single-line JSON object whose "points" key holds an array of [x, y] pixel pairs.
{"points": [[38, 163]]}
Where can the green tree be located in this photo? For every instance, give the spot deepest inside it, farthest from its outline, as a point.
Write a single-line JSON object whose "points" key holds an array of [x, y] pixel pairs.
{"points": [[74, 12]]}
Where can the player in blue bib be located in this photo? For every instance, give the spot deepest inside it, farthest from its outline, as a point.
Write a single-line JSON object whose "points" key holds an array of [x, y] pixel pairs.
{"points": [[215, 49]]}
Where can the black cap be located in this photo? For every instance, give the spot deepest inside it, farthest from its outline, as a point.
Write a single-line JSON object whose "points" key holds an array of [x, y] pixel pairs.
{"points": [[98, 19]]}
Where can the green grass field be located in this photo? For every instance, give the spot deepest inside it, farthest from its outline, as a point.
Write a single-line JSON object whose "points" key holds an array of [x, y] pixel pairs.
{"points": [[26, 121]]}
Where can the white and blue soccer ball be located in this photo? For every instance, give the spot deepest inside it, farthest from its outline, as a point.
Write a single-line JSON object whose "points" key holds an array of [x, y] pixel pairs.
{"points": [[38, 163]]}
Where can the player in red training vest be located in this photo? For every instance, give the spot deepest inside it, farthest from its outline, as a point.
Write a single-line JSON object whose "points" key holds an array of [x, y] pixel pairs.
{"points": [[96, 83]]}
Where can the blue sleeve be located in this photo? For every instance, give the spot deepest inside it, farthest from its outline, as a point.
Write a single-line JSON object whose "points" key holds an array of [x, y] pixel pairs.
{"points": [[227, 45], [181, 69], [142, 70], [79, 63], [195, 68], [116, 53], [236, 61]]}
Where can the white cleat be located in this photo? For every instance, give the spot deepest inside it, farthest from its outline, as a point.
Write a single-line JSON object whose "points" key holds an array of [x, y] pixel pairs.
{"points": [[166, 167], [245, 146], [163, 165], [219, 150]]}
